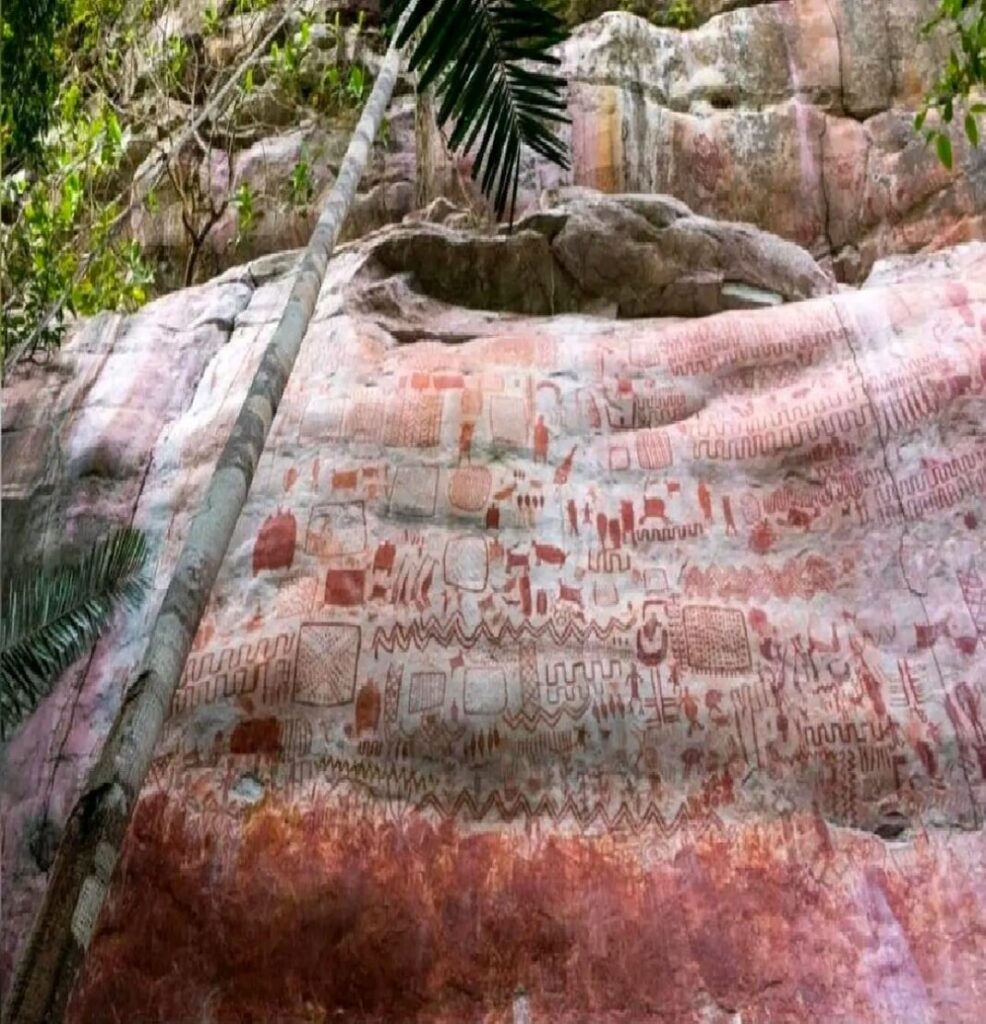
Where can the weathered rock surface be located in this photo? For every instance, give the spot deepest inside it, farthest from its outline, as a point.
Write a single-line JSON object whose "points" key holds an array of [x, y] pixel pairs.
{"points": [[795, 116], [561, 668], [632, 256]]}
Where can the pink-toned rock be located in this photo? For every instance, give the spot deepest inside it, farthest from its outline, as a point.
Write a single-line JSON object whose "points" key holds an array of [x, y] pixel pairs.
{"points": [[620, 670], [794, 116]]}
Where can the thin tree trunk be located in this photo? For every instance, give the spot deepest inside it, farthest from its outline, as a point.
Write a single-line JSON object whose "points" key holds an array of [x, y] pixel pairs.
{"points": [[90, 846]]}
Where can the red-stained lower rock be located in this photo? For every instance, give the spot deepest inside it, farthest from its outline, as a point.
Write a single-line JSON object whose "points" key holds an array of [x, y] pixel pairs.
{"points": [[319, 914]]}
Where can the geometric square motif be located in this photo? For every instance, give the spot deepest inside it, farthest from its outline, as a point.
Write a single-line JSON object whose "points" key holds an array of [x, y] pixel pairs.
{"points": [[653, 449], [336, 529], [466, 563], [328, 656], [427, 691], [415, 490], [716, 639], [414, 421], [508, 420], [485, 690]]}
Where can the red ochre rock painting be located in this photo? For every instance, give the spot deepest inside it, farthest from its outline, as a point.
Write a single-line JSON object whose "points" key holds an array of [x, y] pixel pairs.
{"points": [[662, 699], [274, 547]]}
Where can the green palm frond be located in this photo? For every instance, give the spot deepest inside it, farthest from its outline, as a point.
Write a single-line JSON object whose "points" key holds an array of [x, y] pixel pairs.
{"points": [[49, 618], [486, 60]]}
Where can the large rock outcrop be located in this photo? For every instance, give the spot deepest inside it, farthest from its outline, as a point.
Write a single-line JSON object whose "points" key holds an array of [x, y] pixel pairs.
{"points": [[633, 256], [561, 667], [794, 115]]}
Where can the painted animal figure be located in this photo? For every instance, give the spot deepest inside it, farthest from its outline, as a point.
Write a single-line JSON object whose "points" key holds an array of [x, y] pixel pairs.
{"points": [[515, 561], [548, 555]]}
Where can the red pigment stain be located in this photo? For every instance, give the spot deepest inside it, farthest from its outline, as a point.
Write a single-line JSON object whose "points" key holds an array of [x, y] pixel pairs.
{"points": [[762, 538], [274, 547], [308, 915], [256, 736]]}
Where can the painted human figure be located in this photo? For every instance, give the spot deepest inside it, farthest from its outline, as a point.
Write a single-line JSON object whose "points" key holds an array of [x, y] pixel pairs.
{"points": [[466, 431], [540, 441], [573, 516], [690, 707], [727, 511], [705, 500]]}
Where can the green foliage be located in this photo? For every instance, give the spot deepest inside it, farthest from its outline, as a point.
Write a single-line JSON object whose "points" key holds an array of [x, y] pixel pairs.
{"points": [[964, 75], [210, 20], [176, 60], [49, 618], [356, 83], [29, 30], [58, 244], [301, 184], [86, 30], [485, 60], [342, 88], [680, 14], [287, 58], [242, 202], [671, 14]]}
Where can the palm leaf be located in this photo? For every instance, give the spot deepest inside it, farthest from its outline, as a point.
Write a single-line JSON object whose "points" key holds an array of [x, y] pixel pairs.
{"points": [[485, 59], [49, 618]]}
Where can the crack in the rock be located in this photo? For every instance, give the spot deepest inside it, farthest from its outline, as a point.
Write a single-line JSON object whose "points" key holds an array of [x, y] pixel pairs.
{"points": [[839, 50], [891, 63], [823, 181]]}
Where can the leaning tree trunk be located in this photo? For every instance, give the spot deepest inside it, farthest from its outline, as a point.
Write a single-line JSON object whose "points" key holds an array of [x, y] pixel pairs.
{"points": [[95, 830]]}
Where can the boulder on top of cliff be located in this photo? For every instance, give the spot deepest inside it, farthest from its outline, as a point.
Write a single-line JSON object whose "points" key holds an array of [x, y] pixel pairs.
{"points": [[632, 255]]}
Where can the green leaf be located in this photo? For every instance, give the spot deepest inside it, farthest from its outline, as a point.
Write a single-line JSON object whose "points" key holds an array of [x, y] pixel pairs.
{"points": [[49, 618], [114, 133], [484, 60], [971, 128], [944, 146]]}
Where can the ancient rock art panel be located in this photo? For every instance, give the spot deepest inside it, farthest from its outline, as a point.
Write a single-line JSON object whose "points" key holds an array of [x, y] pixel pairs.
{"points": [[722, 582]]}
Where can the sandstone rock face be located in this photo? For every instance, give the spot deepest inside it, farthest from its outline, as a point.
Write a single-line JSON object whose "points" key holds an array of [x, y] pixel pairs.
{"points": [[561, 667], [795, 116]]}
